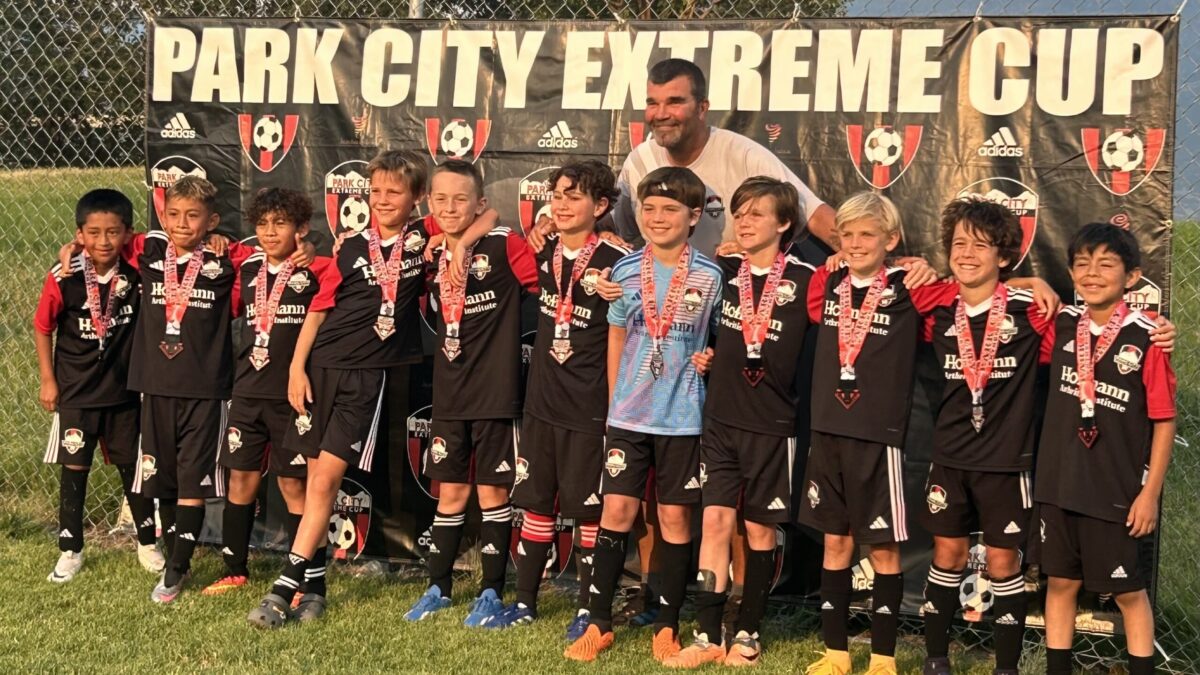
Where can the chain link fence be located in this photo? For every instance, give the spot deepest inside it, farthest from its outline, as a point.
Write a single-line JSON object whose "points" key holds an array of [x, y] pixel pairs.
{"points": [[72, 118]]}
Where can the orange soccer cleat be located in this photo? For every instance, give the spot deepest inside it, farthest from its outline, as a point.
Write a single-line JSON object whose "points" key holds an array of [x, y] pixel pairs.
{"points": [[588, 647], [225, 584]]}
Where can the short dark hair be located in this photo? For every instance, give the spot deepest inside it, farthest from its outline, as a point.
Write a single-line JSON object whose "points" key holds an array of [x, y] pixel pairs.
{"points": [[293, 204], [104, 200], [407, 164], [195, 188], [993, 222], [782, 193], [668, 69], [1117, 240], [590, 177], [673, 182], [462, 168]]}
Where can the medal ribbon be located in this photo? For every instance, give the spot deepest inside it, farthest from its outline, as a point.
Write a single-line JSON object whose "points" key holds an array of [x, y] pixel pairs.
{"points": [[852, 333], [452, 297], [387, 273], [566, 299], [177, 294], [265, 308], [977, 371], [756, 322], [1086, 360], [658, 325], [100, 319]]}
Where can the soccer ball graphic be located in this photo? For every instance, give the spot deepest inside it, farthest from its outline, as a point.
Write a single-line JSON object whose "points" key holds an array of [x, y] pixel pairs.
{"points": [[341, 532], [457, 139], [268, 133], [883, 146], [355, 213], [975, 593], [1122, 151]]}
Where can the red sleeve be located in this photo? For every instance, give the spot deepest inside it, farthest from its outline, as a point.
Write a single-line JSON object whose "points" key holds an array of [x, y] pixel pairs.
{"points": [[50, 305], [816, 293], [938, 294], [330, 278], [1159, 378], [432, 227], [235, 307], [520, 260], [927, 327], [1043, 325], [238, 252], [133, 249]]}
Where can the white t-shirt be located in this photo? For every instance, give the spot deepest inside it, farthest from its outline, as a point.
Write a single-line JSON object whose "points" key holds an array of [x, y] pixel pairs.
{"points": [[727, 160]]}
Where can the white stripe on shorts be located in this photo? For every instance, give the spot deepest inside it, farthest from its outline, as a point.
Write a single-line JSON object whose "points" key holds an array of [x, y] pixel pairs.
{"points": [[218, 470], [896, 491], [52, 444], [1026, 490], [368, 452]]}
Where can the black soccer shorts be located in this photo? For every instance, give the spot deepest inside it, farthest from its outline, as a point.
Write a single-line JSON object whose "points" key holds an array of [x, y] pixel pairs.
{"points": [[631, 455], [479, 452], [76, 432], [1099, 552], [748, 470], [255, 438], [180, 441], [343, 418], [854, 487], [558, 471], [960, 502]]}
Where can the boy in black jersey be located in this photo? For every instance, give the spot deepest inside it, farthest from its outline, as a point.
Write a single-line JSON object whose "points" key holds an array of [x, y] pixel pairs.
{"points": [[274, 298], [747, 448], [869, 323], [476, 387], [1105, 446], [83, 330], [562, 439]]}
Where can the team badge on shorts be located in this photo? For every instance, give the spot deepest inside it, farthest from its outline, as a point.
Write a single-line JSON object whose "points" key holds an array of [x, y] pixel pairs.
{"points": [[813, 494], [522, 470], [149, 467], [936, 499], [72, 440], [304, 423], [234, 439], [615, 463], [437, 449]]}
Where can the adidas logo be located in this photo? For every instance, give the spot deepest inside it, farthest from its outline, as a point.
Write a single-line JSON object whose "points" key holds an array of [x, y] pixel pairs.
{"points": [[592, 500], [884, 610], [928, 608], [545, 267], [520, 548], [1002, 144], [558, 137], [663, 601], [225, 551], [147, 522], [826, 605], [1012, 528], [177, 127], [361, 262], [187, 536], [503, 467], [434, 549], [879, 524], [293, 559], [1069, 347], [1119, 573], [776, 505], [490, 550], [693, 484], [207, 482], [298, 460], [1007, 620], [65, 534], [357, 447]]}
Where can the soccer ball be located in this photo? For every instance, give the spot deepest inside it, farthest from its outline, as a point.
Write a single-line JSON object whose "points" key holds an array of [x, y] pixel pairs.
{"points": [[341, 532], [355, 213], [975, 593], [457, 139], [268, 133], [883, 146], [1122, 151]]}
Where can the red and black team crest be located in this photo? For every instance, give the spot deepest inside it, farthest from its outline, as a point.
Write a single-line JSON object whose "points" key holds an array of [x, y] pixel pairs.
{"points": [[886, 152], [459, 139], [163, 175], [350, 521], [347, 188], [266, 140], [420, 431], [533, 197], [1017, 196], [1124, 159]]}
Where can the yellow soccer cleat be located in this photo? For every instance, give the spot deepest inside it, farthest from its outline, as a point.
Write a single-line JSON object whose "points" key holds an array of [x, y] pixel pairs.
{"points": [[835, 662], [882, 665]]}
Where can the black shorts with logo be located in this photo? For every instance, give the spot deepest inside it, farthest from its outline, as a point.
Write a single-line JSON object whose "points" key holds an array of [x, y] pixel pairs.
{"points": [[343, 419], [76, 432], [558, 471], [254, 438], [854, 487], [631, 455], [1098, 552], [748, 470], [959, 502], [180, 441], [479, 452]]}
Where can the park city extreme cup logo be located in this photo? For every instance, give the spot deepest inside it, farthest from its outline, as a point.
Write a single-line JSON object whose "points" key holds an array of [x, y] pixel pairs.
{"points": [[886, 152], [347, 189], [163, 175], [266, 140], [1124, 159], [350, 521], [533, 197], [420, 431], [458, 139], [1017, 197]]}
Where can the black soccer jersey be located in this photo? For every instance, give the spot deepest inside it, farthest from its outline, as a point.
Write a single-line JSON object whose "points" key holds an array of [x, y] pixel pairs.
{"points": [[271, 381], [1135, 386], [484, 380], [84, 379], [884, 368], [1005, 442], [204, 369], [574, 394], [770, 407], [347, 339]]}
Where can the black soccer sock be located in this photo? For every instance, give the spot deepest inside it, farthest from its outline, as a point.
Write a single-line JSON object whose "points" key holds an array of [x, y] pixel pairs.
{"points": [[1058, 661], [885, 610], [941, 604], [584, 558], [676, 559], [760, 570], [1008, 628], [235, 537], [188, 523], [141, 508], [537, 534], [608, 561], [1140, 665], [167, 509], [293, 573], [314, 574], [835, 608], [495, 533], [709, 607], [445, 536], [72, 489], [291, 524]]}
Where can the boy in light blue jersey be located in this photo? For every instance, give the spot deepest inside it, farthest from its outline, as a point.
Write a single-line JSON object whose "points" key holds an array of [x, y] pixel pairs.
{"points": [[669, 294]]}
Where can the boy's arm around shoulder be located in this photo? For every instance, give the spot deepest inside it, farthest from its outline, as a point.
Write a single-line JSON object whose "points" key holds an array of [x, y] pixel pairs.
{"points": [[1159, 380]]}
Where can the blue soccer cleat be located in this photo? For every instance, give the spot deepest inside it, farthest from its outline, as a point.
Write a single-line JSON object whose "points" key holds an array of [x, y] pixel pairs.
{"points": [[578, 625], [516, 614], [484, 609], [429, 603]]}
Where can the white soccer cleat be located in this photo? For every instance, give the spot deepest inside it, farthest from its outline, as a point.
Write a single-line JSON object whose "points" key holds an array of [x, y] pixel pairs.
{"points": [[67, 567], [151, 558]]}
